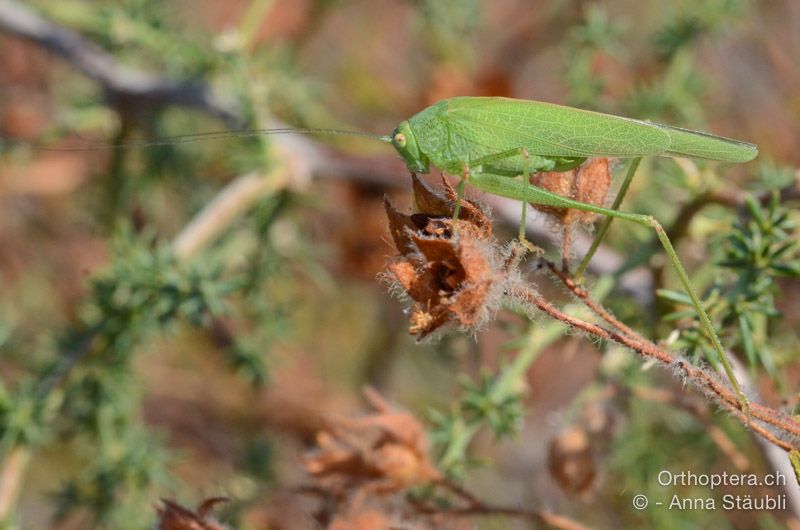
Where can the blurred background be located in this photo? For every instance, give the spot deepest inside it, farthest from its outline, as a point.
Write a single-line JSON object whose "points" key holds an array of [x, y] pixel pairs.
{"points": [[157, 341]]}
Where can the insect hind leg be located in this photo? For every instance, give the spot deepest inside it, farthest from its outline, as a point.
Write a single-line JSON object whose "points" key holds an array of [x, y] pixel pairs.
{"points": [[516, 190]]}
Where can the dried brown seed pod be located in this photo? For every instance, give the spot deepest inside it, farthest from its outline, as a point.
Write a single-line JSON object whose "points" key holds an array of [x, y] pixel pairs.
{"points": [[587, 183], [570, 460], [451, 277], [385, 451]]}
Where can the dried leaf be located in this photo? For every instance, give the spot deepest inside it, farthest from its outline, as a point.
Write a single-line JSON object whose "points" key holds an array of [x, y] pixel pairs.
{"points": [[428, 201], [432, 204], [471, 212], [400, 227]]}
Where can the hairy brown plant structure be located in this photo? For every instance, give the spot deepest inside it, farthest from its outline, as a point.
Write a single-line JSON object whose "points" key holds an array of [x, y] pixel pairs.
{"points": [[383, 452], [452, 271], [588, 183]]}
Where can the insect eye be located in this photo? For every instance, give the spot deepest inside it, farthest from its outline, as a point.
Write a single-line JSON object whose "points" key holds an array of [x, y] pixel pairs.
{"points": [[400, 139]]}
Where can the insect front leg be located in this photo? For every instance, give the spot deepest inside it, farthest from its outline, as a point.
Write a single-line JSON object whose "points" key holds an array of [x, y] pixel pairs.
{"points": [[530, 165], [523, 223], [459, 196]]}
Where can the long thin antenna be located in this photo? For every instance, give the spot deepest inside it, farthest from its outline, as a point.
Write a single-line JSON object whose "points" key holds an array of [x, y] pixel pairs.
{"points": [[192, 138]]}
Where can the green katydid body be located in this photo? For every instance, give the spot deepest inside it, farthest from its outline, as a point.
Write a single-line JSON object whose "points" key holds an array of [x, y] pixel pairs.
{"points": [[454, 133]]}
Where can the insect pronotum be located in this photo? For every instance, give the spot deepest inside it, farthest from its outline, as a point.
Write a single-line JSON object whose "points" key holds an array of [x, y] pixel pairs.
{"points": [[489, 141]]}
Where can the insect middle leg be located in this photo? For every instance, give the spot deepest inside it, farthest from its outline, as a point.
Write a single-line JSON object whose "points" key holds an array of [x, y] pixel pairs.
{"points": [[460, 197], [529, 166], [601, 232]]}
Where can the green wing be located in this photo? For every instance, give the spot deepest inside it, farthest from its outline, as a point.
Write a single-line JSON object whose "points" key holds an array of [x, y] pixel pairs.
{"points": [[551, 130], [697, 144], [498, 124]]}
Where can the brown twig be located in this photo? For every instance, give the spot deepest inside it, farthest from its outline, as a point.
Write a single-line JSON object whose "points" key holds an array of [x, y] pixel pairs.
{"points": [[229, 204], [125, 88], [584, 296], [645, 347], [566, 244], [717, 435], [476, 507], [720, 393]]}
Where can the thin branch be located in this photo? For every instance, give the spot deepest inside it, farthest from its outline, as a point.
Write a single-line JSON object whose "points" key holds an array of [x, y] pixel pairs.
{"points": [[717, 435], [722, 394], [566, 247], [584, 296], [125, 88], [635, 341], [68, 360], [12, 472], [476, 507], [487, 510], [229, 204]]}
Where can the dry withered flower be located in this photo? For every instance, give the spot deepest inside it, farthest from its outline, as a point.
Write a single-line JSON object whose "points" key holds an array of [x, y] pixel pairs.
{"points": [[587, 183], [386, 451], [173, 516], [450, 278]]}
